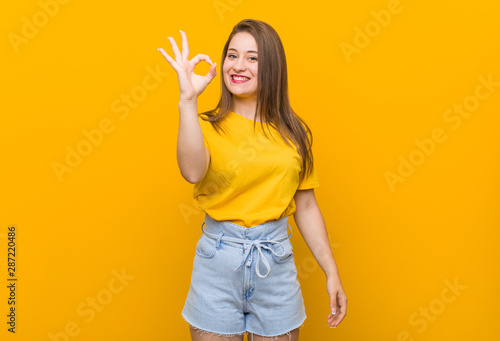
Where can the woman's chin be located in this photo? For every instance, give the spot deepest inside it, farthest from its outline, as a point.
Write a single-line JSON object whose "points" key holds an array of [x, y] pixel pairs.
{"points": [[242, 95]]}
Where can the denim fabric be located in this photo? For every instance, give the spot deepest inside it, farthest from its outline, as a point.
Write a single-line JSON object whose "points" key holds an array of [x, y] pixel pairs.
{"points": [[244, 279]]}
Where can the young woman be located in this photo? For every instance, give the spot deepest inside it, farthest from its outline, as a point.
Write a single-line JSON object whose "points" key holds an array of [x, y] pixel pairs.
{"points": [[244, 278]]}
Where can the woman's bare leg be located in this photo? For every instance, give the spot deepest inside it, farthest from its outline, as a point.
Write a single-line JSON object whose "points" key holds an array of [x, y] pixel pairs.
{"points": [[290, 336], [200, 335]]}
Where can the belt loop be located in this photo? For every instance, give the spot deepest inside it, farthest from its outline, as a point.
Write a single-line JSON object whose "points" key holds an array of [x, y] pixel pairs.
{"points": [[217, 244], [290, 235], [202, 227]]}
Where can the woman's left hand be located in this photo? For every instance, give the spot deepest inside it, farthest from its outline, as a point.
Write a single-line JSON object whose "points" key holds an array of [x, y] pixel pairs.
{"points": [[338, 300]]}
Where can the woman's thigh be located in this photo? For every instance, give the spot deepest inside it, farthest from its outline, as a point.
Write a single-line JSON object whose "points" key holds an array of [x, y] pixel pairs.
{"points": [[197, 335], [290, 336]]}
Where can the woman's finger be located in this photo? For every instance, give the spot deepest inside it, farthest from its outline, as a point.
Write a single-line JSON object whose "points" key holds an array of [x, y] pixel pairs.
{"points": [[342, 310], [168, 58], [185, 47], [343, 307], [211, 73], [177, 53], [331, 320], [199, 57]]}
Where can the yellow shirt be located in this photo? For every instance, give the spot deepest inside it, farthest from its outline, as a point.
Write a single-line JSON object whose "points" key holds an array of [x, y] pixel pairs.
{"points": [[251, 179]]}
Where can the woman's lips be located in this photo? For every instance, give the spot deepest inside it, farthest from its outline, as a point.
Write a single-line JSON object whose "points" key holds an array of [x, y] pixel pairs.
{"points": [[239, 80]]}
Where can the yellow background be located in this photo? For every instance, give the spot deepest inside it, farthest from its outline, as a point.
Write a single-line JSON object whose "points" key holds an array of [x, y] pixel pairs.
{"points": [[125, 207]]}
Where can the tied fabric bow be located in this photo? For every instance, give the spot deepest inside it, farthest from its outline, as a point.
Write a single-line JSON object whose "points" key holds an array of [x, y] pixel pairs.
{"points": [[259, 245]]}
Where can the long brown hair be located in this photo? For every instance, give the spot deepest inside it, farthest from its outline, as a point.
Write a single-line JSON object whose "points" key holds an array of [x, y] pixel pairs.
{"points": [[273, 104]]}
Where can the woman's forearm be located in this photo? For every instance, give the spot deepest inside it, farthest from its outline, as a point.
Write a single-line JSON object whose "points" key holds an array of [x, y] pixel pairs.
{"points": [[313, 229], [191, 151]]}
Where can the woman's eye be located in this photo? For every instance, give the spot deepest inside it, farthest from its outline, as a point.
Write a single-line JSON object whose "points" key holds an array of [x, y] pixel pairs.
{"points": [[232, 55]]}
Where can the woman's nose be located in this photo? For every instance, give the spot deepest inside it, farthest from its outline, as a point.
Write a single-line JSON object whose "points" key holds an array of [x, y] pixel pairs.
{"points": [[240, 64]]}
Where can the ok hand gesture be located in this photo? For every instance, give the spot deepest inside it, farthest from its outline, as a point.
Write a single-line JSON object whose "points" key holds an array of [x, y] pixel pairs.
{"points": [[191, 85]]}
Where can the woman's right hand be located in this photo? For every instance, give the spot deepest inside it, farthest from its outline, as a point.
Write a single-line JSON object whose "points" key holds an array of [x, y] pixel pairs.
{"points": [[191, 85]]}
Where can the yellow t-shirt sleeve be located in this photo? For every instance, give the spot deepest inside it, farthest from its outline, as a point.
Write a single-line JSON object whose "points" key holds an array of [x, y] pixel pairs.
{"points": [[311, 181]]}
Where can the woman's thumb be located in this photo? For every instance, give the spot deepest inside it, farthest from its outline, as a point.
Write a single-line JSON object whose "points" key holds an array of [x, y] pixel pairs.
{"points": [[333, 305]]}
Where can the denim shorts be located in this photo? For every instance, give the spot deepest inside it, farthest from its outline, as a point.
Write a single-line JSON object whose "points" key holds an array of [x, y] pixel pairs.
{"points": [[244, 279]]}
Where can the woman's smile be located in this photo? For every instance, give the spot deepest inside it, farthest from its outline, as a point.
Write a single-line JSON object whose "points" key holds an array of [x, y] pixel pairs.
{"points": [[239, 79]]}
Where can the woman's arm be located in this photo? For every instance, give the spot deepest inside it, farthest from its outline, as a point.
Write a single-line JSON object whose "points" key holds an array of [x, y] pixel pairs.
{"points": [[192, 155], [312, 227]]}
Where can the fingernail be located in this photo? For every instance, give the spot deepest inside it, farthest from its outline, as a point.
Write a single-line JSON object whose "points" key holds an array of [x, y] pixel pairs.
{"points": [[333, 310]]}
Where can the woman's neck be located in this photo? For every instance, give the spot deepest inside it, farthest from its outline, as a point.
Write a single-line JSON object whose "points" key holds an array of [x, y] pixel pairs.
{"points": [[245, 107]]}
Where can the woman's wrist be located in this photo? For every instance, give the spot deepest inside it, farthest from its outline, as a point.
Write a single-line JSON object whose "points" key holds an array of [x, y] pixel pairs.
{"points": [[332, 274], [185, 101]]}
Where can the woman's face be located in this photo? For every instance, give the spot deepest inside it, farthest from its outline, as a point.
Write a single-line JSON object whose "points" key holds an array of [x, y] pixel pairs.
{"points": [[241, 60]]}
